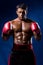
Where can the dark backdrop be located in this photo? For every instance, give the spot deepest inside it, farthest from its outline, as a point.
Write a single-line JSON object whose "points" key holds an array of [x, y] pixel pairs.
{"points": [[8, 12]]}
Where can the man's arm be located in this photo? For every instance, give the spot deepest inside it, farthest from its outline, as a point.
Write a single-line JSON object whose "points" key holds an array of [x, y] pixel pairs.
{"points": [[36, 30], [6, 30]]}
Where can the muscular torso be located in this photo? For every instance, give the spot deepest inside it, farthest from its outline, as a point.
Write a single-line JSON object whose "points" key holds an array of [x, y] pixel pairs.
{"points": [[21, 31]]}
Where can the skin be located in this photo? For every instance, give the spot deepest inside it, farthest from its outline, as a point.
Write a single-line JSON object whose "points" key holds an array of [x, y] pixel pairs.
{"points": [[21, 28]]}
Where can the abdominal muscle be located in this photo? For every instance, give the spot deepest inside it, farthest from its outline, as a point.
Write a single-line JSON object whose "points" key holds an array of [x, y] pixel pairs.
{"points": [[21, 38]]}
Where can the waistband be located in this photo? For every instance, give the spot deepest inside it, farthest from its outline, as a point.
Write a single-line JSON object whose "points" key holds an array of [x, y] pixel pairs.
{"points": [[23, 47]]}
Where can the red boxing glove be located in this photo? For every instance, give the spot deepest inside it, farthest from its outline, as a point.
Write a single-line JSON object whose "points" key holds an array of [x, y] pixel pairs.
{"points": [[7, 27], [35, 27]]}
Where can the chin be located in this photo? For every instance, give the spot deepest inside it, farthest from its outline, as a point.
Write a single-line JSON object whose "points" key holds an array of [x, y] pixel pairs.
{"points": [[21, 18]]}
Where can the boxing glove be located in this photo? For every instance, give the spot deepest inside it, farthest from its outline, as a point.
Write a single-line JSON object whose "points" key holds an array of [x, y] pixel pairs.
{"points": [[35, 27], [6, 29]]}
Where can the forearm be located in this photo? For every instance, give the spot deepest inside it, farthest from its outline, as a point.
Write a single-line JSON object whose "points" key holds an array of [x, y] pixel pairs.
{"points": [[5, 36], [37, 36]]}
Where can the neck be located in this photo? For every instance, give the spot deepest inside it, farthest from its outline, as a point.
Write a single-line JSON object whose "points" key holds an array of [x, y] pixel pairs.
{"points": [[21, 19]]}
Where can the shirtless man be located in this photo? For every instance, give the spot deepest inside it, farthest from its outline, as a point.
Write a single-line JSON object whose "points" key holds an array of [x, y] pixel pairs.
{"points": [[22, 29]]}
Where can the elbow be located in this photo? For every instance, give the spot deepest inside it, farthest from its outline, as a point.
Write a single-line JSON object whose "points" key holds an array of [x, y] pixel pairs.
{"points": [[4, 37], [38, 37]]}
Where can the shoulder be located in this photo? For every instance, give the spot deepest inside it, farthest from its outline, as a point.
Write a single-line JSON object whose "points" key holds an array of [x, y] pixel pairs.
{"points": [[7, 23], [33, 23], [29, 20], [14, 21]]}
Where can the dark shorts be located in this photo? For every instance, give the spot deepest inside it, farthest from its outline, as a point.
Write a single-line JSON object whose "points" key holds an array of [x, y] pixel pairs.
{"points": [[22, 57]]}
